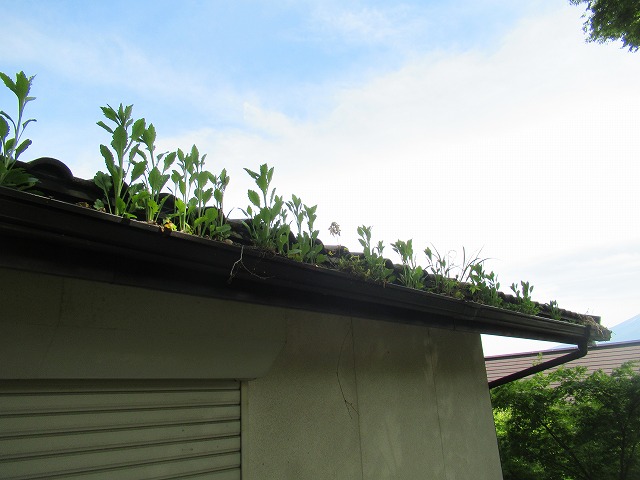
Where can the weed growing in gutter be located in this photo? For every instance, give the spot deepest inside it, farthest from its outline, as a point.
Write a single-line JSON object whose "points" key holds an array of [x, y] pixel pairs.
{"points": [[125, 140], [523, 303], [267, 225], [135, 187], [371, 265], [194, 188], [484, 287], [554, 310], [11, 146], [412, 275], [307, 248], [154, 180]]}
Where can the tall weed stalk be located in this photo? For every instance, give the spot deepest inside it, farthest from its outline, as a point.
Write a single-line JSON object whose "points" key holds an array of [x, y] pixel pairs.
{"points": [[11, 131]]}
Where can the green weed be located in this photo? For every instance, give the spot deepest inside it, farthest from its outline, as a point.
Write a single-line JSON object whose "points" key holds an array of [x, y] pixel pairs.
{"points": [[11, 143]]}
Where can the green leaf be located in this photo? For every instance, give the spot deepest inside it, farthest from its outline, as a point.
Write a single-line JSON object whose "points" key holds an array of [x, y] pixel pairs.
{"points": [[155, 179], [181, 207], [138, 129], [153, 207], [110, 113], [251, 173], [254, 198], [149, 135], [125, 114], [262, 183], [9, 144], [103, 181], [23, 146], [119, 142], [194, 153], [138, 170], [107, 155], [24, 124], [4, 128], [206, 196], [22, 86], [19, 179], [8, 82], [202, 178], [168, 160], [218, 195], [105, 126], [211, 214]]}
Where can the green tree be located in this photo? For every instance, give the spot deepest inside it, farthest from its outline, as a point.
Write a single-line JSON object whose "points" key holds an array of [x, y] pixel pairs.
{"points": [[609, 20], [567, 425]]}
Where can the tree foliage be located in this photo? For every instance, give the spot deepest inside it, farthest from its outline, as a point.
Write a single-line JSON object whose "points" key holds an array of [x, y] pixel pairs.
{"points": [[609, 20], [567, 425]]}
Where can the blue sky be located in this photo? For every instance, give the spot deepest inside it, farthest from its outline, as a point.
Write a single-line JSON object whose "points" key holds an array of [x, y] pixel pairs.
{"points": [[489, 124]]}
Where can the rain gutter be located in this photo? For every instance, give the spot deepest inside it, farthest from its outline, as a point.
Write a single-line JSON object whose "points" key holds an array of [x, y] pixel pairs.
{"points": [[44, 235]]}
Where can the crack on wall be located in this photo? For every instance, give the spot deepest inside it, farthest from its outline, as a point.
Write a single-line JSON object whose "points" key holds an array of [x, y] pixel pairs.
{"points": [[349, 405]]}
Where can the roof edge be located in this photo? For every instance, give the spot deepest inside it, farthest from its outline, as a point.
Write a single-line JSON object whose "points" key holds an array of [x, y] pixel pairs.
{"points": [[102, 247]]}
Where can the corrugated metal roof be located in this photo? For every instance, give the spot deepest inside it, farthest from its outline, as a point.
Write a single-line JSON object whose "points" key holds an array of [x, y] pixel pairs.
{"points": [[600, 357]]}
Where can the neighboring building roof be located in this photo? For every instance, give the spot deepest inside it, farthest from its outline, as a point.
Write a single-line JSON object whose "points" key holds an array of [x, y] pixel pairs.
{"points": [[60, 238], [603, 357], [626, 331]]}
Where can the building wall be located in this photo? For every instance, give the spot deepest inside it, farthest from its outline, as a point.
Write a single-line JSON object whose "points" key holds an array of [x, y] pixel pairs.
{"points": [[324, 396], [358, 399], [55, 327]]}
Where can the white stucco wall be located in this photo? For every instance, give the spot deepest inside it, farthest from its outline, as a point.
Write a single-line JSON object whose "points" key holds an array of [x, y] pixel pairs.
{"points": [[358, 399]]}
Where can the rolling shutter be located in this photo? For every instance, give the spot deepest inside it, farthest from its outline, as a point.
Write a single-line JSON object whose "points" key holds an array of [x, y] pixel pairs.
{"points": [[123, 430]]}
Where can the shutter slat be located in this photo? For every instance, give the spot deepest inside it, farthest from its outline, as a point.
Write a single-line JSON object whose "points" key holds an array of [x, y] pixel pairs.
{"points": [[94, 431], [114, 420], [121, 457], [11, 447], [15, 403]]}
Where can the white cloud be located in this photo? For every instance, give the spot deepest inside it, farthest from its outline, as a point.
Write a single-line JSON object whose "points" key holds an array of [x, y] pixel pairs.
{"points": [[362, 25], [530, 150], [110, 60]]}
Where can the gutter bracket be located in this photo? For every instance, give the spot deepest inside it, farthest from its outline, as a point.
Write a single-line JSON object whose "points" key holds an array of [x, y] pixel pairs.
{"points": [[580, 352]]}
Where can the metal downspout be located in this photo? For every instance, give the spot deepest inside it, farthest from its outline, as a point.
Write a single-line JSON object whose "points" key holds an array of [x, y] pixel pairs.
{"points": [[579, 353]]}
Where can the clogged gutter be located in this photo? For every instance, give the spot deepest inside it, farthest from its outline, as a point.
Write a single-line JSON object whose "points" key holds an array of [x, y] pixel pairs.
{"points": [[175, 192]]}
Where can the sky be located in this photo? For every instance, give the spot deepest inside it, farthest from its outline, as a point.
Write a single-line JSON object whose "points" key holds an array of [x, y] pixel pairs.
{"points": [[483, 124]]}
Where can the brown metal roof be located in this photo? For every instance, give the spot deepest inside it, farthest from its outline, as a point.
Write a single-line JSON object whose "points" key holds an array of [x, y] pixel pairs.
{"points": [[603, 357]]}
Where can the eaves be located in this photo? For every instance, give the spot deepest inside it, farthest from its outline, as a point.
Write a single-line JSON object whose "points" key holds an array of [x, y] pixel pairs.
{"points": [[48, 236]]}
